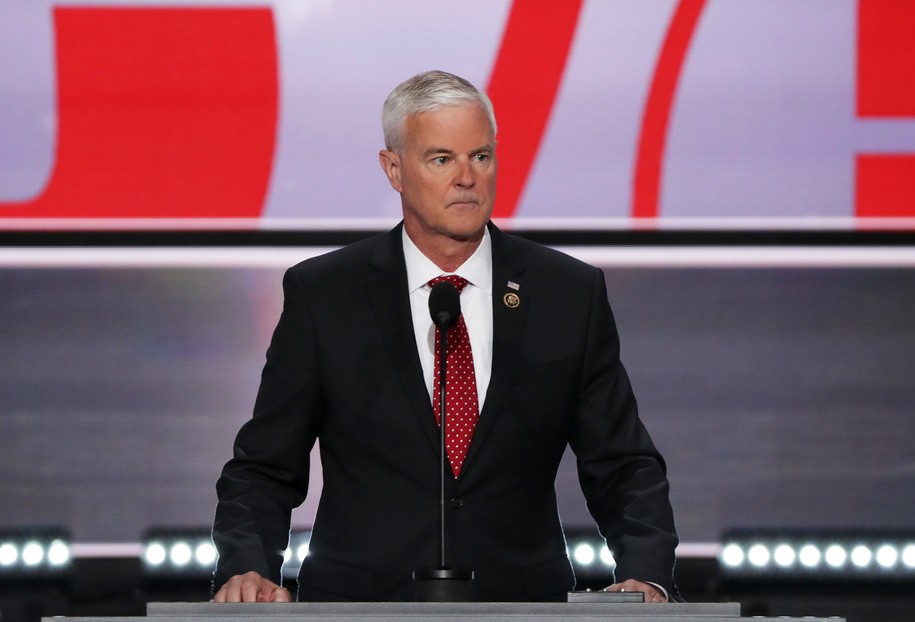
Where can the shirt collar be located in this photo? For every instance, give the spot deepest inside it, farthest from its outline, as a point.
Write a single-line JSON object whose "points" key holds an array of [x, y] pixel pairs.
{"points": [[477, 269]]}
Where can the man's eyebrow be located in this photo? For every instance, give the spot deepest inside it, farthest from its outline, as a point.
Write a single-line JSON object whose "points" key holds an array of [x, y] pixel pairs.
{"points": [[433, 150], [445, 151]]}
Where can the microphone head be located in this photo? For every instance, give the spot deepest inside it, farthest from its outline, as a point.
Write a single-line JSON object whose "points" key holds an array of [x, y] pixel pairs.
{"points": [[444, 304]]}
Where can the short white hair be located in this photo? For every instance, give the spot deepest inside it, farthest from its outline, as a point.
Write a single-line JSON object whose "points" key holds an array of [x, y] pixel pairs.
{"points": [[427, 92]]}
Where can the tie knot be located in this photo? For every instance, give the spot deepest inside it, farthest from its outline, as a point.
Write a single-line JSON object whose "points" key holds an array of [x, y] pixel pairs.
{"points": [[459, 282]]}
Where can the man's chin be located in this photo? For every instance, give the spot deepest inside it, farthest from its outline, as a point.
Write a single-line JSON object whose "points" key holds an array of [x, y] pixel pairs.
{"points": [[471, 232]]}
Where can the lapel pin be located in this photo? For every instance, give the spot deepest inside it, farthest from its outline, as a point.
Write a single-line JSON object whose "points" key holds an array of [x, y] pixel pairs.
{"points": [[511, 300], [513, 285]]}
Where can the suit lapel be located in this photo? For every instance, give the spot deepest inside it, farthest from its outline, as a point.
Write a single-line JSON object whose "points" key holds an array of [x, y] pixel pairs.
{"points": [[391, 307], [507, 329]]}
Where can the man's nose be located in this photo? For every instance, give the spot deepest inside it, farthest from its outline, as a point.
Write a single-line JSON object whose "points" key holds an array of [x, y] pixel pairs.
{"points": [[465, 175]]}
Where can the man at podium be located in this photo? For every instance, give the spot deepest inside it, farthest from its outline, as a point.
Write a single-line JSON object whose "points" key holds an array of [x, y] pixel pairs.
{"points": [[533, 367]]}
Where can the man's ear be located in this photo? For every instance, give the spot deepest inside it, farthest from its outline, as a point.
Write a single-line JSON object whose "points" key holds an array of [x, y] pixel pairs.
{"points": [[390, 162]]}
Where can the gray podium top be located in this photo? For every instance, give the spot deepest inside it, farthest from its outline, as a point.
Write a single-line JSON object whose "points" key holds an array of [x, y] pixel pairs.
{"points": [[449, 612], [452, 611]]}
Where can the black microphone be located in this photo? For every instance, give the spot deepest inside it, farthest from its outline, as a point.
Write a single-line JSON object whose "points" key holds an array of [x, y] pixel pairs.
{"points": [[443, 583], [444, 305]]}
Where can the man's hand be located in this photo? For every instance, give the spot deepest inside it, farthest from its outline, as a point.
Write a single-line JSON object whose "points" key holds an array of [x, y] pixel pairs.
{"points": [[251, 588], [652, 594]]}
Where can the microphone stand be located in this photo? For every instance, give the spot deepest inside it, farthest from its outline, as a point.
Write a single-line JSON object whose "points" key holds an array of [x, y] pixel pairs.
{"points": [[442, 584], [443, 453]]}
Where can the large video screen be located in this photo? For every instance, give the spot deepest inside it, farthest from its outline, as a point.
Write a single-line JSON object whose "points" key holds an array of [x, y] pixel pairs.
{"points": [[670, 114]]}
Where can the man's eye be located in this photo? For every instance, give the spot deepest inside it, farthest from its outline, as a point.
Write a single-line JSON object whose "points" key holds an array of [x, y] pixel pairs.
{"points": [[481, 157], [441, 160]]}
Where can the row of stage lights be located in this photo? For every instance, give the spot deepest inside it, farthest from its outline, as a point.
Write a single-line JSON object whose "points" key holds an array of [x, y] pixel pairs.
{"points": [[771, 554], [175, 554], [45, 554], [170, 554], [745, 555], [40, 554]]}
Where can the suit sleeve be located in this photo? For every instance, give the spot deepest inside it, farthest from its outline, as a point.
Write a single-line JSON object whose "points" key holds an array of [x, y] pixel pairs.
{"points": [[268, 474], [621, 473]]}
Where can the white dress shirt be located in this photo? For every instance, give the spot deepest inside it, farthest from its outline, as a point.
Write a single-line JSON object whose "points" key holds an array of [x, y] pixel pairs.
{"points": [[476, 307]]}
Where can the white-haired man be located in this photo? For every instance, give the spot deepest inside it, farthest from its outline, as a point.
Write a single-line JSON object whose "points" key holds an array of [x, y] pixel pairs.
{"points": [[352, 366]]}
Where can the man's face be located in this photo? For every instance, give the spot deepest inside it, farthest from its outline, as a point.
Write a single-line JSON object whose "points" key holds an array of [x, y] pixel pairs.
{"points": [[445, 174]]}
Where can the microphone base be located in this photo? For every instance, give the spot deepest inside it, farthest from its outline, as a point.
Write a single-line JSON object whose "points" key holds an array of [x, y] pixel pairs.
{"points": [[442, 585]]}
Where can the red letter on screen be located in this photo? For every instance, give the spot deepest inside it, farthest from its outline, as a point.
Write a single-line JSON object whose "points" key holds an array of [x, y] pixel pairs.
{"points": [[885, 183], [162, 113]]}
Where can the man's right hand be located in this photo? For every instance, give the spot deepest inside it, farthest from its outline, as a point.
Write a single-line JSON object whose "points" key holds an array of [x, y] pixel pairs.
{"points": [[251, 587]]}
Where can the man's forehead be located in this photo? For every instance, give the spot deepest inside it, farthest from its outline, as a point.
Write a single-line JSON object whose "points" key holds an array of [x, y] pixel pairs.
{"points": [[451, 128]]}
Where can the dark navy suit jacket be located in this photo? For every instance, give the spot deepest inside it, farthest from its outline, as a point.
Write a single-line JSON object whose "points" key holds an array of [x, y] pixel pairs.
{"points": [[343, 370]]}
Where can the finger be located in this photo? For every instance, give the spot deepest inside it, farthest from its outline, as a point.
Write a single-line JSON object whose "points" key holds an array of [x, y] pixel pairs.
{"points": [[282, 595], [626, 586], [655, 597], [231, 595], [249, 591], [652, 593], [230, 592], [617, 587]]}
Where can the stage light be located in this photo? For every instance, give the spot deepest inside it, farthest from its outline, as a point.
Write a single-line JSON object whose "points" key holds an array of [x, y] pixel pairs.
{"points": [[908, 556], [58, 553], [32, 554], [814, 555], [809, 556], [302, 552], [887, 556], [758, 555], [205, 554], [784, 555], [180, 554], [606, 557], [835, 556], [861, 556], [732, 555], [584, 554], [155, 554], [9, 554]]}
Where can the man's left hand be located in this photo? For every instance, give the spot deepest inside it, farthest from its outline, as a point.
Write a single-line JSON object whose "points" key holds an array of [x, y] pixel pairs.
{"points": [[652, 594]]}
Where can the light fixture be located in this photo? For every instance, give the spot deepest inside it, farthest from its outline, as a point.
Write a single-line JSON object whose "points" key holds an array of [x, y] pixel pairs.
{"points": [[176, 553], [34, 553], [804, 555], [591, 559], [296, 552], [172, 554]]}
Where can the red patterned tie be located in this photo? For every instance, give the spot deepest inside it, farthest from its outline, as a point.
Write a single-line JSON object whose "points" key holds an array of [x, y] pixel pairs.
{"points": [[461, 409]]}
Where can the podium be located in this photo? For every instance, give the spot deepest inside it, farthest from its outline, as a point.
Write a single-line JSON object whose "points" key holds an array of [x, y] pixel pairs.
{"points": [[446, 612]]}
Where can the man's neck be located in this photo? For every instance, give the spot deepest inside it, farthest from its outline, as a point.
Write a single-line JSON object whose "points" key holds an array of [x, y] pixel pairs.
{"points": [[445, 252]]}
